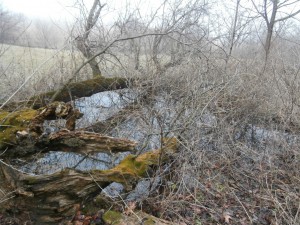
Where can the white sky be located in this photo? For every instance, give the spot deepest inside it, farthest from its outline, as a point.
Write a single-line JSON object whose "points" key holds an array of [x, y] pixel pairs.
{"points": [[54, 9], [63, 9]]}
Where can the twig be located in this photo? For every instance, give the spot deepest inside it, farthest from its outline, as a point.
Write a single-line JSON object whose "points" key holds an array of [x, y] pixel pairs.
{"points": [[4, 151], [242, 206], [6, 199], [20, 171]]}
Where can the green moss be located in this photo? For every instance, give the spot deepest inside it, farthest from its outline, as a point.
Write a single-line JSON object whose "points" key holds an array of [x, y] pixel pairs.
{"points": [[103, 202], [12, 122], [148, 221], [134, 167], [90, 209], [112, 217], [32, 180]]}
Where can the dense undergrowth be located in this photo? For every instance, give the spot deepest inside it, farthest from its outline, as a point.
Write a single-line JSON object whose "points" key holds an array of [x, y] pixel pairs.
{"points": [[238, 129]]}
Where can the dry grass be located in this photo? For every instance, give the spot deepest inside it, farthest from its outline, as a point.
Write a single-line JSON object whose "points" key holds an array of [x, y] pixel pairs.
{"points": [[239, 159], [51, 68]]}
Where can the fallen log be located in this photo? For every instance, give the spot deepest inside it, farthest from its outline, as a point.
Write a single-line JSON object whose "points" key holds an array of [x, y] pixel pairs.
{"points": [[22, 134], [72, 91], [53, 197]]}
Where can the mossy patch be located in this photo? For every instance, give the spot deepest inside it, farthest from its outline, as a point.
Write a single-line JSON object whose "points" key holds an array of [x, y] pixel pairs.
{"points": [[148, 221], [32, 180], [134, 167], [11, 122], [103, 202], [112, 217], [131, 168]]}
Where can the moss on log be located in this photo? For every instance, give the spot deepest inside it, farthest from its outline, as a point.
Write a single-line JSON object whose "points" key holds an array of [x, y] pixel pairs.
{"points": [[54, 197], [137, 217], [13, 122], [24, 128], [21, 133]]}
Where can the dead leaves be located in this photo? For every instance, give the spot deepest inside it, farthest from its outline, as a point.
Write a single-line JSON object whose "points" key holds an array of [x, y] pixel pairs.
{"points": [[227, 217], [129, 208], [81, 219]]}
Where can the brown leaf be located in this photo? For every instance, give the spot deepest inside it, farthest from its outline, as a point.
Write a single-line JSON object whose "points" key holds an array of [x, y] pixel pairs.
{"points": [[197, 210], [226, 217], [130, 207]]}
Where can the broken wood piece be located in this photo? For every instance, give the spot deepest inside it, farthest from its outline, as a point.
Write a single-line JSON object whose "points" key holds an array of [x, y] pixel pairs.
{"points": [[87, 142], [24, 127]]}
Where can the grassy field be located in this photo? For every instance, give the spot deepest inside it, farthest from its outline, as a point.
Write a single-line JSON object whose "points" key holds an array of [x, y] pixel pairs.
{"points": [[51, 68]]}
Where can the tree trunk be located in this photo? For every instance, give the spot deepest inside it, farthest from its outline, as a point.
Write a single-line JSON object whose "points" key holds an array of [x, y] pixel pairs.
{"points": [[270, 27], [233, 32], [86, 51], [82, 42]]}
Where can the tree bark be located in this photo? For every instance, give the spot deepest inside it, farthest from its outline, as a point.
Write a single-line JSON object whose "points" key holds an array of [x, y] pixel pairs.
{"points": [[270, 27], [84, 48], [82, 42], [86, 142]]}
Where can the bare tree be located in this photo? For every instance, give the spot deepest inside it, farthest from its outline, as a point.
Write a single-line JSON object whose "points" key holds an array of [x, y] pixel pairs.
{"points": [[230, 28], [83, 42], [179, 19], [133, 26], [9, 26], [272, 12]]}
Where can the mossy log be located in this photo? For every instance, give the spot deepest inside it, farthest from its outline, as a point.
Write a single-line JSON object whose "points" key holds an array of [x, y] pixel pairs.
{"points": [[72, 91], [21, 133], [24, 128], [53, 197]]}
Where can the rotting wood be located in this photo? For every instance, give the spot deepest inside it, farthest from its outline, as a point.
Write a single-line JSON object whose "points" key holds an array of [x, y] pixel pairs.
{"points": [[24, 128], [24, 134], [53, 197], [87, 142]]}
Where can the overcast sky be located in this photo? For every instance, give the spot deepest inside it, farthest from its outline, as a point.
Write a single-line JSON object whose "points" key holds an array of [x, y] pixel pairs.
{"points": [[55, 9], [64, 9]]}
